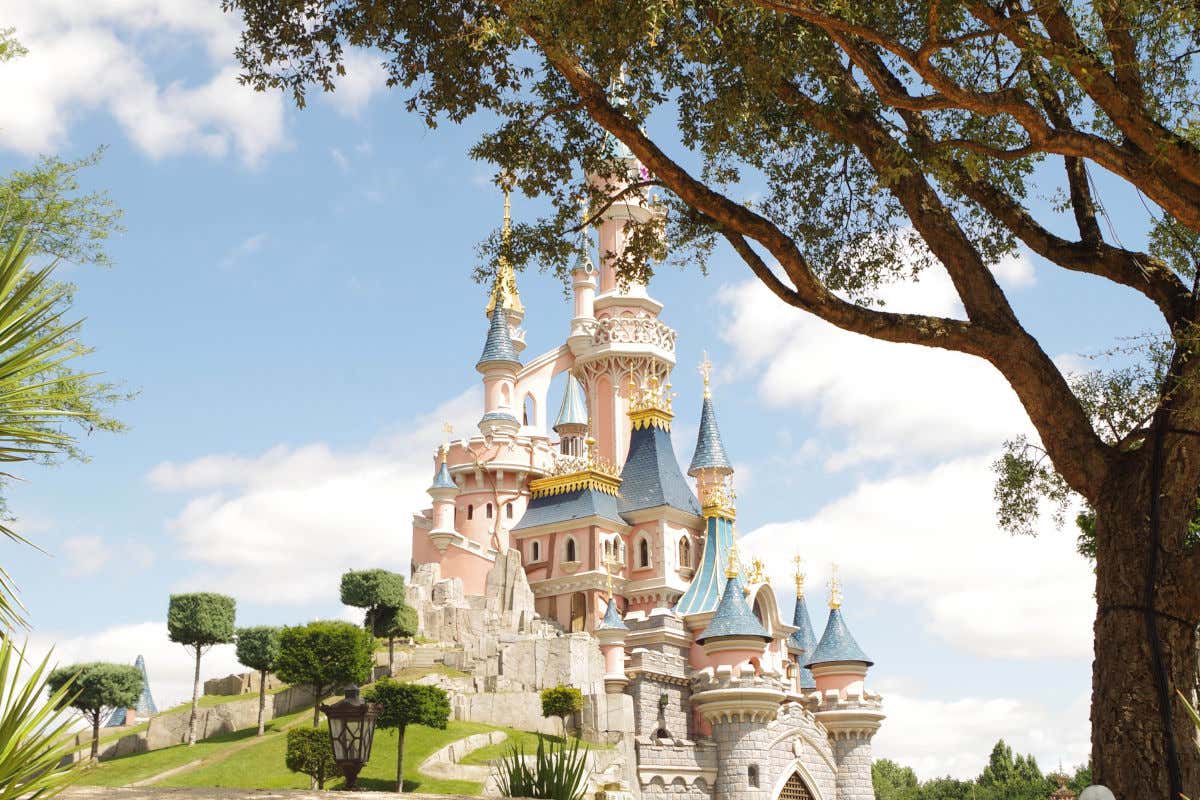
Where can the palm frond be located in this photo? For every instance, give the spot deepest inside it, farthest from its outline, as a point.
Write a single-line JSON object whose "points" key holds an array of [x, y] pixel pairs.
{"points": [[35, 747]]}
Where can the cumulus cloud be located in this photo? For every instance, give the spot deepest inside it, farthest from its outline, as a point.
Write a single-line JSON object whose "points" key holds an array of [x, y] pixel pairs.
{"points": [[281, 526], [364, 78], [97, 56], [84, 555]]}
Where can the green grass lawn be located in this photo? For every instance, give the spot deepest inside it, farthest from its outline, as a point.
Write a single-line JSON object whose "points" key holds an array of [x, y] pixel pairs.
{"points": [[261, 766], [412, 673]]}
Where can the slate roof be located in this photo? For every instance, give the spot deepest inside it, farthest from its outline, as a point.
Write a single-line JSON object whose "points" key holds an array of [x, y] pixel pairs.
{"points": [[709, 582], [567, 506], [491, 415], [837, 644], [651, 476], [710, 450], [573, 410], [733, 616], [442, 479], [612, 619], [804, 638], [499, 346]]}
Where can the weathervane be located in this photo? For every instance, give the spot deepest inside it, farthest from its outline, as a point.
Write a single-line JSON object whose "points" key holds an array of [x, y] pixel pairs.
{"points": [[799, 574], [706, 371], [835, 587]]}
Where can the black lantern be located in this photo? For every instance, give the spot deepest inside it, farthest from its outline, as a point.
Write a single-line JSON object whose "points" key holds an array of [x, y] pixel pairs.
{"points": [[351, 729]]}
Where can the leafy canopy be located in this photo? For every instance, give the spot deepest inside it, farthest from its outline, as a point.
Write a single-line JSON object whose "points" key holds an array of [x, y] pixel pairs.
{"points": [[201, 619], [390, 622], [310, 753], [372, 587], [404, 704], [97, 686], [325, 653], [258, 647], [561, 701]]}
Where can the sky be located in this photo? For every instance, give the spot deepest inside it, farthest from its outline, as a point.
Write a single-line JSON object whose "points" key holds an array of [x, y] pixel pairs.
{"points": [[292, 302]]}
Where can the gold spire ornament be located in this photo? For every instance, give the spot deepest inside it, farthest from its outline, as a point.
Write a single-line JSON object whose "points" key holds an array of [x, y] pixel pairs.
{"points": [[706, 373], [733, 567], [504, 289], [610, 561], [835, 588], [650, 405], [799, 575], [757, 572], [447, 429]]}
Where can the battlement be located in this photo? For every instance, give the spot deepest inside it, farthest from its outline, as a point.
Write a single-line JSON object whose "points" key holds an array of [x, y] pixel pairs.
{"points": [[729, 694], [849, 714]]}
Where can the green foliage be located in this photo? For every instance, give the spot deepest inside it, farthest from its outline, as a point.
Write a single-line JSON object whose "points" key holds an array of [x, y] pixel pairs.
{"points": [[309, 752], [558, 772], [562, 702], [389, 622], [323, 655], [894, 782], [201, 619], [258, 647], [34, 733], [405, 704], [96, 688], [368, 588]]}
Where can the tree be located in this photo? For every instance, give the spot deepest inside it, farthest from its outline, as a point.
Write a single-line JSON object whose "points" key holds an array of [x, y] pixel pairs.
{"points": [[324, 655], [35, 760], [309, 752], [376, 590], [890, 136], [394, 623], [894, 782], [199, 620], [95, 689], [404, 704], [258, 649], [562, 702]]}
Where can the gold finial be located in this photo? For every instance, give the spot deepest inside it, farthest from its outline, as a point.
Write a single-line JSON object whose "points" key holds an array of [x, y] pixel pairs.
{"points": [[583, 209], [507, 229], [799, 575], [757, 572], [447, 429], [610, 561], [835, 587], [706, 371], [733, 567], [504, 290]]}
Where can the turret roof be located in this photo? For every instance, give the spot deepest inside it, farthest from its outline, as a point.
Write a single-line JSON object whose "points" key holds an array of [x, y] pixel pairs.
{"points": [[805, 639], [145, 705], [837, 644], [573, 410], [499, 345], [651, 476], [612, 618], [442, 479], [704, 591], [568, 506], [710, 450], [733, 616]]}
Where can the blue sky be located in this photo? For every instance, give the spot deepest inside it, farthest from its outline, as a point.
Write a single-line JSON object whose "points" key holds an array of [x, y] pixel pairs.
{"points": [[292, 301]]}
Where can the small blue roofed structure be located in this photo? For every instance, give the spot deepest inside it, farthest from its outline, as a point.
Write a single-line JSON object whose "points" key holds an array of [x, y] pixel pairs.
{"points": [[837, 644], [733, 617]]}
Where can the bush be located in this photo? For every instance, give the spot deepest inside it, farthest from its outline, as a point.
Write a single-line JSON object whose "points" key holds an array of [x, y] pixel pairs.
{"points": [[404, 704], [309, 752], [324, 655], [558, 772], [562, 702]]}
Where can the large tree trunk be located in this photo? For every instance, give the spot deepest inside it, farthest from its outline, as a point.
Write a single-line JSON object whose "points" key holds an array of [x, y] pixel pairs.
{"points": [[1130, 751], [317, 692], [391, 655], [191, 739], [262, 698], [96, 736], [400, 759]]}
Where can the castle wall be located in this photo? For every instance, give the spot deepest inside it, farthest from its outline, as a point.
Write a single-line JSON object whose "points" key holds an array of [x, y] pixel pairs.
{"points": [[684, 771], [793, 742], [853, 754]]}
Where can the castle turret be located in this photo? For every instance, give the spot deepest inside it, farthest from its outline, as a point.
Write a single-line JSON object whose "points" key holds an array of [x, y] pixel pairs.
{"points": [[734, 636], [571, 425], [499, 366], [611, 632], [443, 490], [803, 640], [583, 284], [504, 288], [849, 712]]}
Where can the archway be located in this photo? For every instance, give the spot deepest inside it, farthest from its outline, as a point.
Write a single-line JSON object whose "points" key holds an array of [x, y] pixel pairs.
{"points": [[795, 789], [578, 607]]}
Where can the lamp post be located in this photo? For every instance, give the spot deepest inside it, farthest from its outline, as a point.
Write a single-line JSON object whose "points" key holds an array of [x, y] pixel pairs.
{"points": [[351, 730]]}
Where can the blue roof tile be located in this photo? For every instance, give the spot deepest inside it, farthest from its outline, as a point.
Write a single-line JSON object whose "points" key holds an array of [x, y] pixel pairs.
{"points": [[442, 479], [491, 415], [804, 638], [499, 346], [612, 619], [573, 410], [568, 506], [708, 583], [710, 451], [651, 476], [733, 616], [837, 644]]}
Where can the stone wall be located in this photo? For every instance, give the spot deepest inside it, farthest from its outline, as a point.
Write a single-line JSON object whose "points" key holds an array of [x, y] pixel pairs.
{"points": [[243, 683], [793, 742], [652, 714], [685, 770], [171, 728], [853, 756]]}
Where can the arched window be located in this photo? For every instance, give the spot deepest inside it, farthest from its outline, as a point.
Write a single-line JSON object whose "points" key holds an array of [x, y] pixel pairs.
{"points": [[489, 510], [571, 554], [529, 415], [508, 510], [644, 553], [470, 512], [535, 552], [752, 775], [685, 552]]}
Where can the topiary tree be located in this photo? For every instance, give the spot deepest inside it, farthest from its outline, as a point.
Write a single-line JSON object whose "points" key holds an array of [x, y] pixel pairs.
{"points": [[562, 702], [258, 649], [323, 655], [96, 688], [394, 623], [199, 620], [309, 752], [378, 591], [405, 704]]}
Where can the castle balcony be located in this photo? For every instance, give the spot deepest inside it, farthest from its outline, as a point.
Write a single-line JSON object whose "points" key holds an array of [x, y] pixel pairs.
{"points": [[594, 339]]}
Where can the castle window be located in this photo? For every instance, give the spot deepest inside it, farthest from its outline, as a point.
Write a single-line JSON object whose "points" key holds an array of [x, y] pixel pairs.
{"points": [[508, 510], [489, 510], [571, 554], [685, 553], [643, 553], [470, 512], [752, 775], [535, 552]]}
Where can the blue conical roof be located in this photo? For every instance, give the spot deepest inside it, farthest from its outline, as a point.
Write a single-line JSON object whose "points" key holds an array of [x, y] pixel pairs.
{"points": [[145, 705], [442, 479], [710, 450], [805, 639], [706, 587], [837, 644], [651, 477], [733, 617], [583, 263], [573, 410], [612, 618], [499, 345]]}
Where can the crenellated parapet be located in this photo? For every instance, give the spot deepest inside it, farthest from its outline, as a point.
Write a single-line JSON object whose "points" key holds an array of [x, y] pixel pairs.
{"points": [[850, 713], [728, 695]]}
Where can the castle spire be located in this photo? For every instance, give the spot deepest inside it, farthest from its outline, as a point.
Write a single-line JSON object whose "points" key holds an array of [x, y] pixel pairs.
{"points": [[837, 644], [504, 288], [710, 449], [804, 638]]}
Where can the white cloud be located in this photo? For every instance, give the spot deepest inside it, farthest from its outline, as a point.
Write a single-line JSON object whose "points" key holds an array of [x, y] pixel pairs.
{"points": [[364, 77], [247, 247], [930, 539], [85, 555], [279, 528], [937, 737], [95, 57]]}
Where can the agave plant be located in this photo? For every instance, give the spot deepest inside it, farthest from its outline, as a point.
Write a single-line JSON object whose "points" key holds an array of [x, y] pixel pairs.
{"points": [[34, 741], [558, 772]]}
